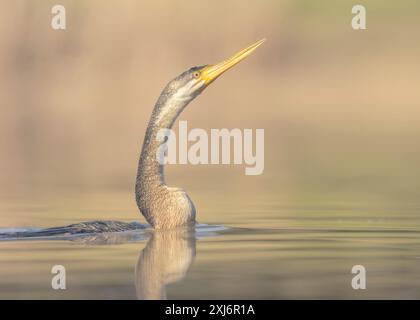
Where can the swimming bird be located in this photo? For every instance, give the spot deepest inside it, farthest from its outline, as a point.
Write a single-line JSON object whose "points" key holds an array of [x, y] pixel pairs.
{"points": [[162, 206]]}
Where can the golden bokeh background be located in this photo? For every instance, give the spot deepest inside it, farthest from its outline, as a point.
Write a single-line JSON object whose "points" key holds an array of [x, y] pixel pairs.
{"points": [[340, 108]]}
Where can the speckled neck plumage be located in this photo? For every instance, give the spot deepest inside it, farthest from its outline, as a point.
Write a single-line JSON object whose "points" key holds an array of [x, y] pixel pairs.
{"points": [[162, 206], [165, 112]]}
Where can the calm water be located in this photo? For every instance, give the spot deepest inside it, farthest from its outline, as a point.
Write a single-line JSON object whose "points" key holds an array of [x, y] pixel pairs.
{"points": [[272, 247]]}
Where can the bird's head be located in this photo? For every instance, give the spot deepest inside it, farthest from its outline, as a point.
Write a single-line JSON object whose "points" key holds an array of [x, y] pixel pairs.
{"points": [[192, 82]]}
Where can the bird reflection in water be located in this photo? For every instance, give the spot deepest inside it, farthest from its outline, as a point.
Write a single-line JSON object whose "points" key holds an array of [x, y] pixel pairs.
{"points": [[166, 259]]}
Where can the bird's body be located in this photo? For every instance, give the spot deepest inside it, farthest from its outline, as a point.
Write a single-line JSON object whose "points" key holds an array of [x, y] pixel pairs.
{"points": [[162, 206]]}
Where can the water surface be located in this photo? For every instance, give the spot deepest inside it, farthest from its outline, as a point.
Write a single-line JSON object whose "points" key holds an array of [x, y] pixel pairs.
{"points": [[270, 249]]}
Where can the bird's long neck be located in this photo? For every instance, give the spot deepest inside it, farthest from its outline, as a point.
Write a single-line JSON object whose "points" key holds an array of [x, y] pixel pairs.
{"points": [[150, 172]]}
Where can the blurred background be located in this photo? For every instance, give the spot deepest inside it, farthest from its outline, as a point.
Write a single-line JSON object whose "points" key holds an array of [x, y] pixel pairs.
{"points": [[340, 108]]}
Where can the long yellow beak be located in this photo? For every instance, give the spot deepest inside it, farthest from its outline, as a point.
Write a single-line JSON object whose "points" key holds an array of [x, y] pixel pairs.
{"points": [[212, 72]]}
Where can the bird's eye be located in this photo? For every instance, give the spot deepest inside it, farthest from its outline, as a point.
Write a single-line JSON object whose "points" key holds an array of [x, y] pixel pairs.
{"points": [[196, 74]]}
